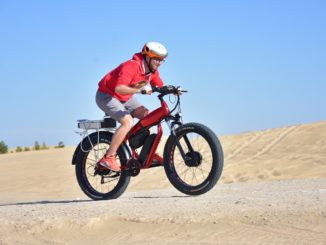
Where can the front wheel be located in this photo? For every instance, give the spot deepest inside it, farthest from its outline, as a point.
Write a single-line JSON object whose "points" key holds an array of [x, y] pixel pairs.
{"points": [[193, 159]]}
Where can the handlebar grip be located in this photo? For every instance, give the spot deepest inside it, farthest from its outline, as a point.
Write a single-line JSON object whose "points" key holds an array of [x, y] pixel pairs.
{"points": [[155, 89], [168, 89]]}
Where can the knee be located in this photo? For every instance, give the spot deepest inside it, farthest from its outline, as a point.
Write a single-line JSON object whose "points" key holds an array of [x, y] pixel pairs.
{"points": [[127, 122], [140, 112]]}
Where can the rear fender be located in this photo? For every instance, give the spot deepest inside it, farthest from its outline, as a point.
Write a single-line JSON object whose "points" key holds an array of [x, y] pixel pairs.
{"points": [[85, 141]]}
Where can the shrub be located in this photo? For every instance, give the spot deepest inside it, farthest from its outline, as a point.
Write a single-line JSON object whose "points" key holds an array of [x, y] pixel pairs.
{"points": [[3, 148], [37, 146], [60, 145], [44, 147], [19, 149], [26, 148]]}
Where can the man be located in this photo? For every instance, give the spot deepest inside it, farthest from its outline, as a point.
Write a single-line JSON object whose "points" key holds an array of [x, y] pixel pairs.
{"points": [[116, 90]]}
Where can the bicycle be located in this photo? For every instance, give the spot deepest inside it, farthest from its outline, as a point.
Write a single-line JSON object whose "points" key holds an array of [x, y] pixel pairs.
{"points": [[192, 158]]}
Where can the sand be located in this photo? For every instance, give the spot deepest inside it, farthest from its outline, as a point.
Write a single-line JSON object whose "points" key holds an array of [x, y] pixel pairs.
{"points": [[272, 191]]}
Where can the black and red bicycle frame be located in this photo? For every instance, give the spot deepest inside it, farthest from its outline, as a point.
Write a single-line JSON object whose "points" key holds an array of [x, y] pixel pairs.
{"points": [[153, 118]]}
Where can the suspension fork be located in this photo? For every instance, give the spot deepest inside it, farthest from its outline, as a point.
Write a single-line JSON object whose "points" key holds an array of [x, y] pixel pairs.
{"points": [[185, 137]]}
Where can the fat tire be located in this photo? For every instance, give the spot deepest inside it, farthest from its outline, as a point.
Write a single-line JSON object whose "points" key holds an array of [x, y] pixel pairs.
{"points": [[103, 137], [217, 156]]}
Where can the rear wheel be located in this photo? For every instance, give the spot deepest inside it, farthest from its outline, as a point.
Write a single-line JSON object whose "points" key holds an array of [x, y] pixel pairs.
{"points": [[95, 183], [200, 169]]}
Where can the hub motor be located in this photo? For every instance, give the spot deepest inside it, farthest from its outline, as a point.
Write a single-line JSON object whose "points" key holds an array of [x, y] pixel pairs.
{"points": [[193, 159]]}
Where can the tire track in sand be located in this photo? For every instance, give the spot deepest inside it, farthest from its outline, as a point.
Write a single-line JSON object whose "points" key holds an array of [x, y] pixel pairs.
{"points": [[243, 146], [273, 142]]}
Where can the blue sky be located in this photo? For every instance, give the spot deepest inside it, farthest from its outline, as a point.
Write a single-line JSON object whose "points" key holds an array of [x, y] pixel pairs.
{"points": [[249, 65]]}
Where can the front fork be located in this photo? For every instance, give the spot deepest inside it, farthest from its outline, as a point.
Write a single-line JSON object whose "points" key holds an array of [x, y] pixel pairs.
{"points": [[183, 154], [173, 127]]}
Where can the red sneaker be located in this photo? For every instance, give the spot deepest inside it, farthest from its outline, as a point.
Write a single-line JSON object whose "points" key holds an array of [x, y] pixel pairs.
{"points": [[109, 162]]}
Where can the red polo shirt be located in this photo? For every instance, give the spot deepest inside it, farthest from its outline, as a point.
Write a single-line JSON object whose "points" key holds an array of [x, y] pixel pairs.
{"points": [[130, 73]]}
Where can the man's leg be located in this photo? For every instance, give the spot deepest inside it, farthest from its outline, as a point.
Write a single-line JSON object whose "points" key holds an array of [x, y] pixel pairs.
{"points": [[120, 134], [115, 109], [109, 159]]}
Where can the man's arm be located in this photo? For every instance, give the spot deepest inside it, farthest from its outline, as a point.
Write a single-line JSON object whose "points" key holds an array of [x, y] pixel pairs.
{"points": [[123, 89]]}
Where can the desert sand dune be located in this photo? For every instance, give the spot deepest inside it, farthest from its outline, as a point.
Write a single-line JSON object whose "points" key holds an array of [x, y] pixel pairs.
{"points": [[294, 152], [272, 191]]}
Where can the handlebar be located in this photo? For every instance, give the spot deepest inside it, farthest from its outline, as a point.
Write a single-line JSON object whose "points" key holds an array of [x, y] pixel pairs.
{"points": [[169, 89]]}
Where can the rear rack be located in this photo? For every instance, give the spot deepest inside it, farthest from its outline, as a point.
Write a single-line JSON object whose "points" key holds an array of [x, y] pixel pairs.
{"points": [[107, 124]]}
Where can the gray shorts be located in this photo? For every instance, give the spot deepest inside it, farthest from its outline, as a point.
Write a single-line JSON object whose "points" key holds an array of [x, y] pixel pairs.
{"points": [[114, 108]]}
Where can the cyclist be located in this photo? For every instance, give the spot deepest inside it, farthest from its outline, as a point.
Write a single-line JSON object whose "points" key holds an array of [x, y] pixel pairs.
{"points": [[116, 90]]}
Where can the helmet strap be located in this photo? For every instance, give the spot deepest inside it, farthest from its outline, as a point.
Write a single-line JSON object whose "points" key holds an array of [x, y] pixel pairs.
{"points": [[148, 61], [150, 66]]}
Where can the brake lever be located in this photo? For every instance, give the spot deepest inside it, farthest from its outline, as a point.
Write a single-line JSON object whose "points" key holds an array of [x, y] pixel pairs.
{"points": [[180, 91]]}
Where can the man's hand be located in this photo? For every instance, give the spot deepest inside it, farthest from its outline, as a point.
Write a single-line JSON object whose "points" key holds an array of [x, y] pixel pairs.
{"points": [[146, 90]]}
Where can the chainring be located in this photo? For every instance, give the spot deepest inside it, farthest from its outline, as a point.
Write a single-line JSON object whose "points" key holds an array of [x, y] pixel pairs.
{"points": [[133, 167]]}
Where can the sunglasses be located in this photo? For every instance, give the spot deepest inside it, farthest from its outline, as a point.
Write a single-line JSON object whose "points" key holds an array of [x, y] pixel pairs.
{"points": [[158, 61]]}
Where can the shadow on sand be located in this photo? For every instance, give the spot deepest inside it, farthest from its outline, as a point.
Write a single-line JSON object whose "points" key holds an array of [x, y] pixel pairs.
{"points": [[44, 202]]}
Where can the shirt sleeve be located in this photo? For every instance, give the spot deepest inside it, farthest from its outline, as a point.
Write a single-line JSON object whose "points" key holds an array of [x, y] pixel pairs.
{"points": [[127, 72]]}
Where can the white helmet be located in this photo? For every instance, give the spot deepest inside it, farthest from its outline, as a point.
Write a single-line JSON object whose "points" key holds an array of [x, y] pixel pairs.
{"points": [[155, 50]]}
